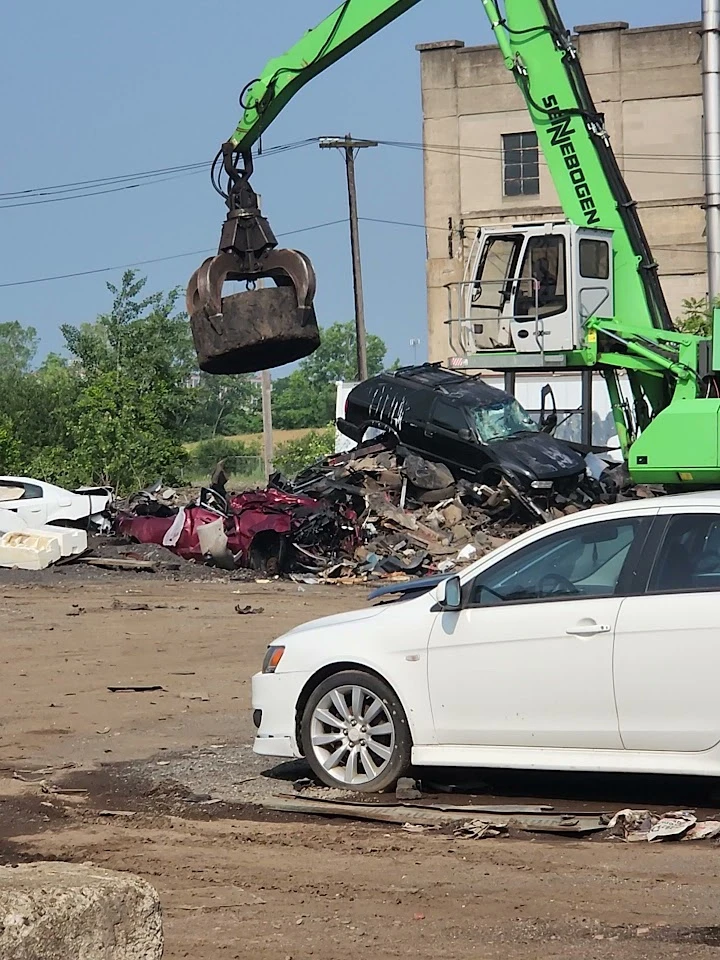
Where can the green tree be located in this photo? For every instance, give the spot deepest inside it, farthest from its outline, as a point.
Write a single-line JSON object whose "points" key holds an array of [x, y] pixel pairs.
{"points": [[133, 366], [296, 403], [18, 347], [121, 435], [223, 406], [696, 317], [306, 398], [336, 357]]}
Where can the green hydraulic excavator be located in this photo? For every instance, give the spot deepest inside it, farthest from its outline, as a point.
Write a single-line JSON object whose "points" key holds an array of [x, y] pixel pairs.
{"points": [[578, 294]]}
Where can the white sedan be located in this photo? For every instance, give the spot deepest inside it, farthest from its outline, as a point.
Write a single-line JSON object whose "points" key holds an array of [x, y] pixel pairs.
{"points": [[591, 643]]}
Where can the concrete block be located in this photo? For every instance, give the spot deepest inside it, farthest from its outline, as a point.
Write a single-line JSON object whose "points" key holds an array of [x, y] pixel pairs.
{"points": [[72, 542], [67, 911], [28, 550]]}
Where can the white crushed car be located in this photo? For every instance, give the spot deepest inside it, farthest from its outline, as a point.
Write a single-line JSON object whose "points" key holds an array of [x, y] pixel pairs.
{"points": [[590, 643], [38, 503]]}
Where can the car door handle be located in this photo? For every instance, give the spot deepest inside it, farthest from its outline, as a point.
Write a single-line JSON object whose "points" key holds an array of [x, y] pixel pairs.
{"points": [[588, 629]]}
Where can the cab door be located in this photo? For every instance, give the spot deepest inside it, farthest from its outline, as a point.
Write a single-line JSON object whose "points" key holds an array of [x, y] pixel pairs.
{"points": [[542, 309], [488, 291]]}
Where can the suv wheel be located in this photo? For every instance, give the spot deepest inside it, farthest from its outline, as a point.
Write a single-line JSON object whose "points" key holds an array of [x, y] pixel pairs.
{"points": [[355, 733]]}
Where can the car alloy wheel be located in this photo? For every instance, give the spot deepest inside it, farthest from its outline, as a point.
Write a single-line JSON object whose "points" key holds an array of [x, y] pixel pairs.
{"points": [[355, 733]]}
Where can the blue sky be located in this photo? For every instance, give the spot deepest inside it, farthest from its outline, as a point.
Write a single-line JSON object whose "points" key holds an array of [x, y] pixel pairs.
{"points": [[90, 90]]}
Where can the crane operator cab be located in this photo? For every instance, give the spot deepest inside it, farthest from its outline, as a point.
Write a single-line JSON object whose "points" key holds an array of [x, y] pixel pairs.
{"points": [[532, 288]]}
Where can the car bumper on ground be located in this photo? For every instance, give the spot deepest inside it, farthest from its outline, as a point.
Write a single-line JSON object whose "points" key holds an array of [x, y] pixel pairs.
{"points": [[274, 699]]}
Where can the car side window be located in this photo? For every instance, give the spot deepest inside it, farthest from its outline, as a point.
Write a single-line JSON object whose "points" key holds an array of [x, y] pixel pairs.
{"points": [[689, 555], [19, 491], [586, 561], [448, 417]]}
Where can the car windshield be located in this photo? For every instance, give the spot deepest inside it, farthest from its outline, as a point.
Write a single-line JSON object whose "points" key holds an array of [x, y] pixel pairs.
{"points": [[506, 418]]}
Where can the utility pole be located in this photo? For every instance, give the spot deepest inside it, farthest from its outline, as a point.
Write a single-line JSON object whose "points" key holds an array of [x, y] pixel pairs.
{"points": [[266, 393], [266, 386], [711, 109], [349, 146]]}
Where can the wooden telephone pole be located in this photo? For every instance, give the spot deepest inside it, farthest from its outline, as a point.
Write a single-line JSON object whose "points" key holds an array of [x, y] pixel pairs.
{"points": [[349, 146]]}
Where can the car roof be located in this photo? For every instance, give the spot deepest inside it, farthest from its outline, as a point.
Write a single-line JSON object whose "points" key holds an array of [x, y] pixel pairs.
{"points": [[449, 383], [701, 498]]}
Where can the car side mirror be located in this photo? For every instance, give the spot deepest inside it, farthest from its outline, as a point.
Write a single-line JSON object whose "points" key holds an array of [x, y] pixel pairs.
{"points": [[451, 594], [465, 434]]}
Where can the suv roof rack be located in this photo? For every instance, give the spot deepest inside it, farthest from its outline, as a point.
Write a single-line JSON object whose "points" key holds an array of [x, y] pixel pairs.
{"points": [[433, 375]]}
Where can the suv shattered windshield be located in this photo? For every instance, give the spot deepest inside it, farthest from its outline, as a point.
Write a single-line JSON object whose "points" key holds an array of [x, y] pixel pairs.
{"points": [[503, 419]]}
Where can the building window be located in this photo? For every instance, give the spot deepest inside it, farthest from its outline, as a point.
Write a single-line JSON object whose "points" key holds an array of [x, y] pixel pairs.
{"points": [[521, 168]]}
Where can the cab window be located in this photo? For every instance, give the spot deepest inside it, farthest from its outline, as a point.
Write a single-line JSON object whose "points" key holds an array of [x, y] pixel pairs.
{"points": [[543, 277]]}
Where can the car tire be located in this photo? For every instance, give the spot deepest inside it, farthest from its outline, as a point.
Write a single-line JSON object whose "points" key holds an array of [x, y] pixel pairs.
{"points": [[355, 734]]}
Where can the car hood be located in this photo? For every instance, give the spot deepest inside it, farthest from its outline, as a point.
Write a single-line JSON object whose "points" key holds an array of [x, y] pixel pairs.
{"points": [[337, 620], [539, 454]]}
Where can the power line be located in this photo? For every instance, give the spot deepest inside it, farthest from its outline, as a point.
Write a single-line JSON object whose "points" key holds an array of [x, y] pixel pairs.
{"points": [[496, 155], [288, 233], [101, 185], [96, 193], [142, 263], [414, 144], [99, 182], [83, 188]]}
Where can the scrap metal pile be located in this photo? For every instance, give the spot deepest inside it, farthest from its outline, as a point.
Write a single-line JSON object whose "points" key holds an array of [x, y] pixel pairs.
{"points": [[374, 513], [270, 531]]}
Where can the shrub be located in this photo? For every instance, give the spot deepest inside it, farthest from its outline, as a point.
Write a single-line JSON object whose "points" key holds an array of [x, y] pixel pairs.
{"points": [[241, 459], [294, 455]]}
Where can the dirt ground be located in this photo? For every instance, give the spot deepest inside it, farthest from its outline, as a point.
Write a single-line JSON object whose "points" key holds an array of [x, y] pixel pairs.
{"points": [[236, 881]]}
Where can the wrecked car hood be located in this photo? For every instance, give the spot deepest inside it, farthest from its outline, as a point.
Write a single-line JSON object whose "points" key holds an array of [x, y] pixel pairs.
{"points": [[544, 456]]}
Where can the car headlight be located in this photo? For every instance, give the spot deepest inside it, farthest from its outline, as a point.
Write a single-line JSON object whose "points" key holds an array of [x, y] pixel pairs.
{"points": [[541, 485], [273, 657]]}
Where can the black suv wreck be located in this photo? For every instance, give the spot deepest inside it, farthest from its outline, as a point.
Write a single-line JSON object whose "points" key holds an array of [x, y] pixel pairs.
{"points": [[481, 433]]}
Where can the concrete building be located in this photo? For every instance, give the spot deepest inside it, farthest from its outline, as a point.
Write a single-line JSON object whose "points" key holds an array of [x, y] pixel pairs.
{"points": [[482, 165]]}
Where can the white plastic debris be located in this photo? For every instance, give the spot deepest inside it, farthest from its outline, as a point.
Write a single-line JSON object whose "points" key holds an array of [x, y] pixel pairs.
{"points": [[173, 532], [73, 542], [643, 825], [29, 550], [595, 466], [214, 543], [632, 825], [705, 830], [671, 825], [468, 552]]}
